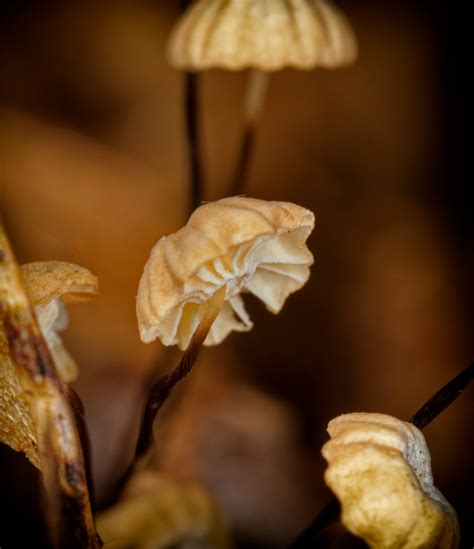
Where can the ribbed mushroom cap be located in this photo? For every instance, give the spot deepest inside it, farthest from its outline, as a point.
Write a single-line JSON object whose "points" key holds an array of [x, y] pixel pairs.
{"points": [[244, 244], [380, 470], [263, 34]]}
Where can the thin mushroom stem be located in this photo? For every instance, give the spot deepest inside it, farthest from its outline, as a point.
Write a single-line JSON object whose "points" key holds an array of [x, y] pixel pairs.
{"points": [[68, 508], [255, 95], [191, 100], [162, 388], [191, 109], [421, 419]]}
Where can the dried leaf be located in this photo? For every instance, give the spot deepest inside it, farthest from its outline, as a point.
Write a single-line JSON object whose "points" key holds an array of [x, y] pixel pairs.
{"points": [[59, 453]]}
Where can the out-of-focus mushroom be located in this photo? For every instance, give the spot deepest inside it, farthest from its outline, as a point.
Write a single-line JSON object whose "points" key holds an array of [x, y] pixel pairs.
{"points": [[159, 511], [233, 245], [380, 470], [49, 285], [267, 35]]}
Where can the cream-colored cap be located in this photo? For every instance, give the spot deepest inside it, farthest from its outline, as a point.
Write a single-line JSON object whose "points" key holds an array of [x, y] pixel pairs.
{"points": [[244, 244]]}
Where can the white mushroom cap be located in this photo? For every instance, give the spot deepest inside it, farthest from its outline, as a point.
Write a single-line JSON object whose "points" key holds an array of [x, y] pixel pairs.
{"points": [[49, 284], [265, 34], [380, 470], [243, 244]]}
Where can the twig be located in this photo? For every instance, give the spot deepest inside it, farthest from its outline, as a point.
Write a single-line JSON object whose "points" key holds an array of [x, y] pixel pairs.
{"points": [[255, 95], [68, 509], [423, 417]]}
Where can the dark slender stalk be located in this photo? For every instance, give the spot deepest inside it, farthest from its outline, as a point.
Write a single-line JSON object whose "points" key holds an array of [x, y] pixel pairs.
{"points": [[158, 395], [191, 100], [191, 110], [327, 516], [443, 398], [161, 389], [423, 417]]}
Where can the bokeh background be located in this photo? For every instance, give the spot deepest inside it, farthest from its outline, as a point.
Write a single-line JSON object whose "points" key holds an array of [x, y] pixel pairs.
{"points": [[93, 171]]}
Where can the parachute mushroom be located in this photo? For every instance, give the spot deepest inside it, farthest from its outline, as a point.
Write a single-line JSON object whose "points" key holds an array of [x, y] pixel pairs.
{"points": [[50, 285], [234, 245]]}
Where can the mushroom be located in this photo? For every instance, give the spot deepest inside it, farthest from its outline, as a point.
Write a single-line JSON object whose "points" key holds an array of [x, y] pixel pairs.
{"points": [[263, 35], [228, 247], [267, 35], [50, 285], [159, 511], [379, 467]]}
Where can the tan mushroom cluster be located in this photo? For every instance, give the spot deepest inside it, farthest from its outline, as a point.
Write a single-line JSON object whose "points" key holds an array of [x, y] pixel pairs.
{"points": [[240, 244], [380, 470], [265, 34], [49, 285]]}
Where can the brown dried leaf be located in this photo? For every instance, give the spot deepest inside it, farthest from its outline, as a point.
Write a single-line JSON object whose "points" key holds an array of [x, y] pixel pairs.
{"points": [[16, 424], [59, 452]]}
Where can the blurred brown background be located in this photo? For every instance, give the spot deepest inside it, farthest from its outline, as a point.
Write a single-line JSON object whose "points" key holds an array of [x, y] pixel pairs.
{"points": [[92, 171]]}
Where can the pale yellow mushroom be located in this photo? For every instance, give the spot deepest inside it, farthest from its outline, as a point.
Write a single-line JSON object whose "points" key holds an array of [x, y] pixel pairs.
{"points": [[262, 34], [49, 285], [233, 245], [380, 470]]}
